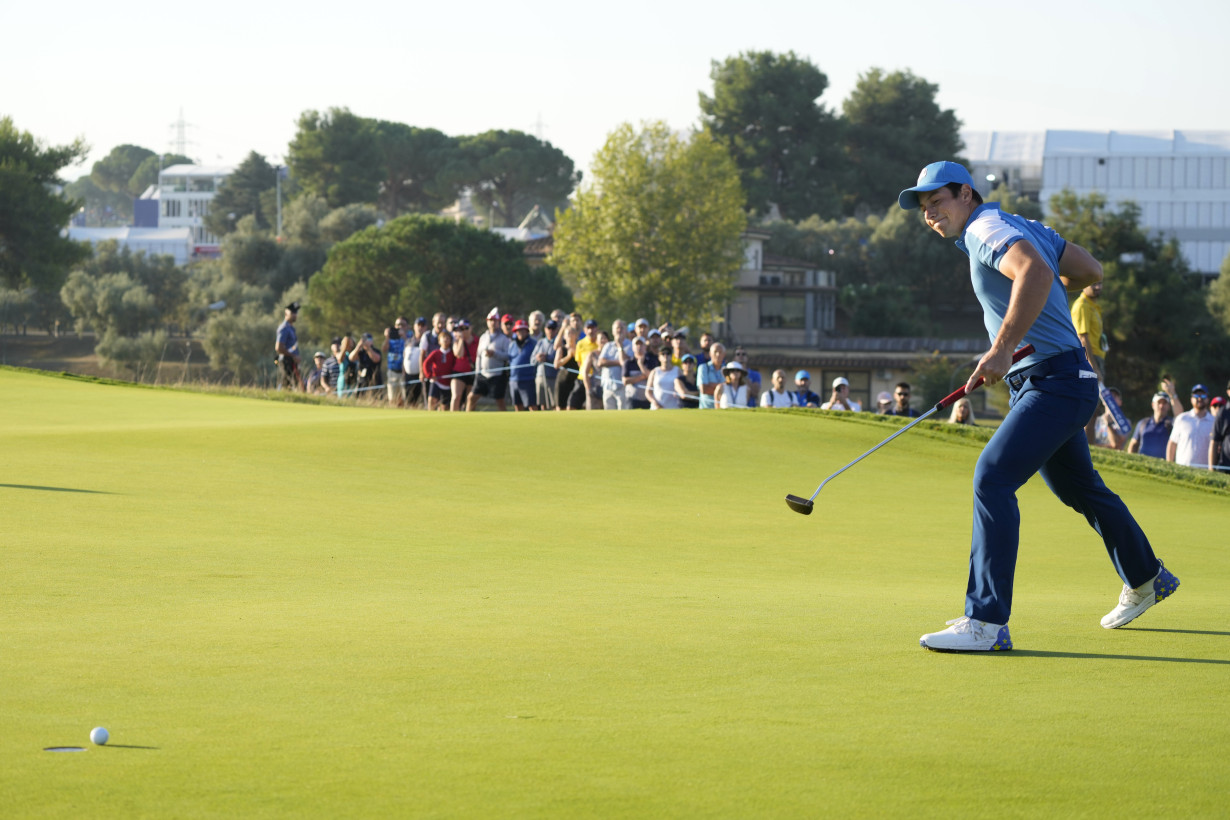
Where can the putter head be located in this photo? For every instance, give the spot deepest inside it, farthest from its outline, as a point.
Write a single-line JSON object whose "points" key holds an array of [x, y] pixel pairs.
{"points": [[802, 506]]}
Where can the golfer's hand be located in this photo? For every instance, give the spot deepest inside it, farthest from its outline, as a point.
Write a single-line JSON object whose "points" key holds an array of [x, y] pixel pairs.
{"points": [[992, 367]]}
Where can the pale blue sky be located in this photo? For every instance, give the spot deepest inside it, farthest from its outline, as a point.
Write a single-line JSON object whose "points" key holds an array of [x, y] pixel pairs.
{"points": [[243, 71]]}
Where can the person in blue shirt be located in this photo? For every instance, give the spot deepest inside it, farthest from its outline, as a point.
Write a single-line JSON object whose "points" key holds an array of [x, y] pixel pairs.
{"points": [[286, 345], [1151, 434], [804, 396], [1020, 271]]}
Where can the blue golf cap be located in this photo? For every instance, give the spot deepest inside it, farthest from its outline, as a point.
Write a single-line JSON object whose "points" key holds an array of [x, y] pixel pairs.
{"points": [[802, 374], [936, 175], [1199, 388]]}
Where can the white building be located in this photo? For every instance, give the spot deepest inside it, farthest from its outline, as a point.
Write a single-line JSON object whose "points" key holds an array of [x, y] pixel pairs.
{"points": [[184, 194], [175, 242], [1180, 179]]}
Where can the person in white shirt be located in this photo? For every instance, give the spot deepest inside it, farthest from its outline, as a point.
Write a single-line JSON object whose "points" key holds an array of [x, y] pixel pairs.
{"points": [[733, 391], [1192, 432], [611, 361], [778, 395], [840, 399]]}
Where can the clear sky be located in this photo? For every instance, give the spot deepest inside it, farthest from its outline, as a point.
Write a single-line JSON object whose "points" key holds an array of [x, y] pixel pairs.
{"points": [[242, 72]]}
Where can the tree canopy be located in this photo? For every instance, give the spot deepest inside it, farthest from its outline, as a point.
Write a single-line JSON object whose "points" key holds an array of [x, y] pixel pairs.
{"points": [[32, 215], [1154, 309], [239, 195], [509, 172], [765, 110], [418, 264], [336, 155], [657, 232], [893, 127]]}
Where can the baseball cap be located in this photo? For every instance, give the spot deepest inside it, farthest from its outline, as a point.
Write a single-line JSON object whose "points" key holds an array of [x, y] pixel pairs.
{"points": [[655, 332], [293, 307], [494, 314], [884, 398], [1161, 394], [319, 354], [521, 325], [839, 381], [802, 374], [1218, 401], [551, 323], [461, 323], [422, 320], [591, 323], [507, 317], [936, 175], [644, 322], [687, 358], [1199, 388]]}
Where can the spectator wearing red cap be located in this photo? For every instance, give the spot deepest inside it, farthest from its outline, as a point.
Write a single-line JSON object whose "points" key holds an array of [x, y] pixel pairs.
{"points": [[495, 351], [523, 369], [1219, 444]]}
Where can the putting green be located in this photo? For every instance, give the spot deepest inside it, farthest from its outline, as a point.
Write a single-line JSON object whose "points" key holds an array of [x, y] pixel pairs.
{"points": [[282, 609]]}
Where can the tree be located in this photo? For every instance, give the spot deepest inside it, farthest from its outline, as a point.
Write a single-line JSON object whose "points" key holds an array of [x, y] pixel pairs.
{"points": [[657, 232], [1218, 299], [162, 281], [336, 155], [893, 127], [116, 170], [32, 216], [509, 172], [239, 195], [1015, 204], [99, 208], [413, 161], [418, 264], [1154, 308], [765, 111], [147, 172]]}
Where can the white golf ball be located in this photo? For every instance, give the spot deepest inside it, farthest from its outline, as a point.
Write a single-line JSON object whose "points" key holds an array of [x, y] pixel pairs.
{"points": [[100, 736]]}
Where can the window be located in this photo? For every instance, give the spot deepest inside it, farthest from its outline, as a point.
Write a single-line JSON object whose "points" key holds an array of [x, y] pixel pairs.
{"points": [[783, 310], [171, 207]]}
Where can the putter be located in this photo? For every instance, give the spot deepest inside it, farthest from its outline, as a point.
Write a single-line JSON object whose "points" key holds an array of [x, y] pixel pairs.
{"points": [[804, 506]]}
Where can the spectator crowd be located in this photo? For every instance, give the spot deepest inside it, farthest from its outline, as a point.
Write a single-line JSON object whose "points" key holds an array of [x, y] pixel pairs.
{"points": [[563, 362]]}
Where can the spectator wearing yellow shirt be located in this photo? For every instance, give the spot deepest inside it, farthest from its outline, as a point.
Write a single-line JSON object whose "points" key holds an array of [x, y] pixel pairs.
{"points": [[1087, 319], [588, 344]]}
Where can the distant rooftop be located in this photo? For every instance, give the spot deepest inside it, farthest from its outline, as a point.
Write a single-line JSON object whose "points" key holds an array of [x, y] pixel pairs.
{"points": [[198, 170], [1029, 147]]}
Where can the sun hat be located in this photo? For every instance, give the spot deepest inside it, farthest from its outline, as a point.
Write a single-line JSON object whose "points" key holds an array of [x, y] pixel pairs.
{"points": [[802, 374], [936, 175], [734, 366]]}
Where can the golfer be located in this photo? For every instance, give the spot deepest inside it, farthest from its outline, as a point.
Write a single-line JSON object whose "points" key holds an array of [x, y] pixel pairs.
{"points": [[1020, 270]]}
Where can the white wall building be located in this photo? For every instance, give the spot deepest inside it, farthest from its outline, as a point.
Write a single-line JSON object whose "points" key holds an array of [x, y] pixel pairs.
{"points": [[1180, 179], [779, 301], [175, 242], [185, 193]]}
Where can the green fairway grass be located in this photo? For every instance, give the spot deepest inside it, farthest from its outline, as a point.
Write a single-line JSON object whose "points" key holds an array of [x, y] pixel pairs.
{"points": [[283, 609]]}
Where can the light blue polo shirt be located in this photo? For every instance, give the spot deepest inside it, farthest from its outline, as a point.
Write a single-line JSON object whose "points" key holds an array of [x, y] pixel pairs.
{"points": [[988, 235]]}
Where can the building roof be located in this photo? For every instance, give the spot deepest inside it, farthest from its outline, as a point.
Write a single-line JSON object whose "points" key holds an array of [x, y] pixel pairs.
{"points": [[130, 234], [772, 260], [1023, 147], [198, 170], [1135, 143]]}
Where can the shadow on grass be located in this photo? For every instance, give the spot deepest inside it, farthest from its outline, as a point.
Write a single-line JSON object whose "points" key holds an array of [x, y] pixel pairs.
{"points": [[124, 746], [1039, 653], [1181, 631], [53, 489]]}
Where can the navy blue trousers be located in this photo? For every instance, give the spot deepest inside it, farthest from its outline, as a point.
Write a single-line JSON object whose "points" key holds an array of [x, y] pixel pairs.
{"points": [[1044, 432]]}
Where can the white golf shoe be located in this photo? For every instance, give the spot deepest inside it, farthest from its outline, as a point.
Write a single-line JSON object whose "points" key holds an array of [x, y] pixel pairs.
{"points": [[1133, 602], [966, 634]]}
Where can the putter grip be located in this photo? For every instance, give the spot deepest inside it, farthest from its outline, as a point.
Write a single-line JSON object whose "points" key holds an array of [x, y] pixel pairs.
{"points": [[948, 400]]}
